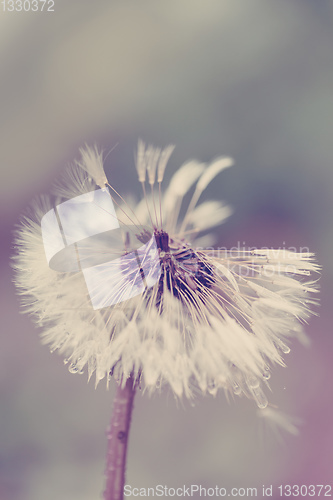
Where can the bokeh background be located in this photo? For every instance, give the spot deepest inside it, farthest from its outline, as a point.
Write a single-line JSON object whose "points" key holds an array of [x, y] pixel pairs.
{"points": [[251, 79]]}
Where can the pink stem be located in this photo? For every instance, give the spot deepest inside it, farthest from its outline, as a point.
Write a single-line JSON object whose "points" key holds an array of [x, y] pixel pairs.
{"points": [[117, 441]]}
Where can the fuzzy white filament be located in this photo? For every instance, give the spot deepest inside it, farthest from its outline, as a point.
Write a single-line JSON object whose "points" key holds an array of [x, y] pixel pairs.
{"points": [[163, 160], [208, 175], [278, 421], [92, 162]]}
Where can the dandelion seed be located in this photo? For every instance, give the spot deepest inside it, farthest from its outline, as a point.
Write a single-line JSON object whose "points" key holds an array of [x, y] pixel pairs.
{"points": [[278, 421]]}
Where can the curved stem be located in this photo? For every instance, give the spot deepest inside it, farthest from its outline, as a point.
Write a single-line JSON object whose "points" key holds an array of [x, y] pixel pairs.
{"points": [[117, 441]]}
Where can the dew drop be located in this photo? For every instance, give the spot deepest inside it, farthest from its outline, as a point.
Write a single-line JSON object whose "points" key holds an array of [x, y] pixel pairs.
{"points": [[252, 382], [73, 368], [266, 375], [260, 397], [284, 348]]}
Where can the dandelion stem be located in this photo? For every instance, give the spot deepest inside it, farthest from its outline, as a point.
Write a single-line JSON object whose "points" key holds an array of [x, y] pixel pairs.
{"points": [[117, 441]]}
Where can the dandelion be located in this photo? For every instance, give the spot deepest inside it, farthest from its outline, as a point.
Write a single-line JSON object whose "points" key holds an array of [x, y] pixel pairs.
{"points": [[132, 292]]}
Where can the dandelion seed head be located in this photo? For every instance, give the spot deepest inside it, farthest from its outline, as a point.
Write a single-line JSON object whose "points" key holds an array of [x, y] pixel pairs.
{"points": [[182, 316]]}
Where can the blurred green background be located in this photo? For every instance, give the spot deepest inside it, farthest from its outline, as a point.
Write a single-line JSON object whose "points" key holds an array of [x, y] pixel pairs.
{"points": [[251, 79]]}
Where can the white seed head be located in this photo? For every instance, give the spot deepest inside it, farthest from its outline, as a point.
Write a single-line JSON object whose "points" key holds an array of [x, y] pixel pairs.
{"points": [[207, 320]]}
